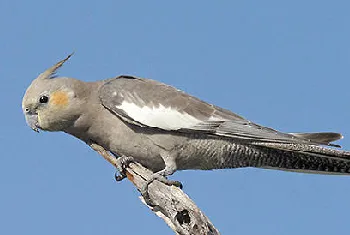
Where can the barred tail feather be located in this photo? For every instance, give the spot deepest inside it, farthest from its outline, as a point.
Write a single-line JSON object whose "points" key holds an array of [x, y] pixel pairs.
{"points": [[300, 158]]}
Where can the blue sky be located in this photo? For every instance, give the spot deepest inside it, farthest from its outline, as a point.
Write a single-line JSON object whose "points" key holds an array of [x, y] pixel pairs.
{"points": [[280, 64]]}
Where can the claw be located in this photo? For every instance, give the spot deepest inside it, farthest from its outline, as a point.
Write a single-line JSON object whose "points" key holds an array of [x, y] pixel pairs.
{"points": [[119, 176], [124, 162]]}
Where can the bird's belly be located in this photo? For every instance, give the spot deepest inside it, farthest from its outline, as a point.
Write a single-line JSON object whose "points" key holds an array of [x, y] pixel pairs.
{"points": [[143, 154], [141, 148]]}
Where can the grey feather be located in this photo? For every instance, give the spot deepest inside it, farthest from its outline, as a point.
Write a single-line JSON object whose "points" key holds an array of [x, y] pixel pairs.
{"points": [[50, 72], [217, 139], [145, 92], [322, 138], [149, 92]]}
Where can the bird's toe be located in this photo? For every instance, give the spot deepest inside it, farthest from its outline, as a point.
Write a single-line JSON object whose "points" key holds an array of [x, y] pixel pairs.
{"points": [[123, 163]]}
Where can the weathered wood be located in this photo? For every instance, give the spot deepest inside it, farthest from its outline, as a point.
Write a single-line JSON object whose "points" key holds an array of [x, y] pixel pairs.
{"points": [[172, 205]]}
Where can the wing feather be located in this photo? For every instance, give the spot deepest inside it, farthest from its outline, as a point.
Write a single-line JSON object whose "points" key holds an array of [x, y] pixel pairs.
{"points": [[149, 103]]}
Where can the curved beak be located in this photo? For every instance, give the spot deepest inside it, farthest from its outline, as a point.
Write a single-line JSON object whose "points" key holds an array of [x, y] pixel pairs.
{"points": [[32, 121]]}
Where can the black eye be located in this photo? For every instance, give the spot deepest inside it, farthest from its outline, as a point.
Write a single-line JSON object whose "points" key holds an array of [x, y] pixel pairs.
{"points": [[43, 99]]}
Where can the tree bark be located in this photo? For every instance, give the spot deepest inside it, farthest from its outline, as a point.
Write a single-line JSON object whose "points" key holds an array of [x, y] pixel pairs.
{"points": [[172, 205]]}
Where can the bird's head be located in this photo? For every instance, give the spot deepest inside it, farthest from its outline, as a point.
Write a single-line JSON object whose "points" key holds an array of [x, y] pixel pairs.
{"points": [[52, 104]]}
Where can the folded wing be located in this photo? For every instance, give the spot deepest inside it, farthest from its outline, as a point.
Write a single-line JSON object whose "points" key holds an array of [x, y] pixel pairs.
{"points": [[149, 103]]}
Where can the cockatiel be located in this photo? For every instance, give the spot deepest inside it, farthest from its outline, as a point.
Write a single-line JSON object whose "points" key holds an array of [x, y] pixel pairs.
{"points": [[166, 129]]}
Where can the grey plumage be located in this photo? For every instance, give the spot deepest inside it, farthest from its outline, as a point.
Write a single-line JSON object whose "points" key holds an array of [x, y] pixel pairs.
{"points": [[166, 129]]}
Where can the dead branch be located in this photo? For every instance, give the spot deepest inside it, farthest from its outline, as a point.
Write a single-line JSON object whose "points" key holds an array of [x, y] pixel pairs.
{"points": [[172, 205]]}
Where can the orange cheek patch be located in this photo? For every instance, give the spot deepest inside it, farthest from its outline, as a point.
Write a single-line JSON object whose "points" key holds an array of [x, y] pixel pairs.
{"points": [[59, 98]]}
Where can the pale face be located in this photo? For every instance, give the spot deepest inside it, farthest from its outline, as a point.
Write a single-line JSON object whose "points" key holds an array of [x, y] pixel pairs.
{"points": [[47, 104]]}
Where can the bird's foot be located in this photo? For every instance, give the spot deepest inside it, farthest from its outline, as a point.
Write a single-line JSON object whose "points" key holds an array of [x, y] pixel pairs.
{"points": [[123, 163], [157, 176]]}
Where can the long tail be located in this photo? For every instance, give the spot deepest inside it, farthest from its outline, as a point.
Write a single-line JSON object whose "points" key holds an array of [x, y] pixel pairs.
{"points": [[298, 158]]}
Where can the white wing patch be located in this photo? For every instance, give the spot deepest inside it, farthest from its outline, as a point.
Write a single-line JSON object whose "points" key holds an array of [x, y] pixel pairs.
{"points": [[161, 117]]}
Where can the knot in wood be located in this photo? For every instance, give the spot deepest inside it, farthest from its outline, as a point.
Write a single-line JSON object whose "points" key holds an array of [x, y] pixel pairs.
{"points": [[183, 217]]}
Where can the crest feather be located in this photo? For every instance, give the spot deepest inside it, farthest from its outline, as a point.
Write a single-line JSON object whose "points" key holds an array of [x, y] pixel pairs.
{"points": [[50, 72]]}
